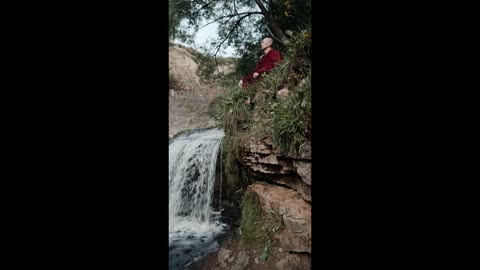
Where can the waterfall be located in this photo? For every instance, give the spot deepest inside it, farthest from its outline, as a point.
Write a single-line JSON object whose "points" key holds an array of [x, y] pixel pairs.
{"points": [[193, 225], [221, 179]]}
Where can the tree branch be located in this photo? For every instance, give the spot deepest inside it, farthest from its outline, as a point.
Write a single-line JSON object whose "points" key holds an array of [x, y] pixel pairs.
{"points": [[275, 28], [231, 16], [207, 4], [267, 2], [272, 34], [237, 23], [204, 6]]}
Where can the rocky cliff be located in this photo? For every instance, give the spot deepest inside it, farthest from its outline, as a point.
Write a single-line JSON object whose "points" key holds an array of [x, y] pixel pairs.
{"points": [[283, 186], [190, 100], [265, 162], [282, 183]]}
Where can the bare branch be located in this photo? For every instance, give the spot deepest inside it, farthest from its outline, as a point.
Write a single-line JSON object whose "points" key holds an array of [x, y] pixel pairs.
{"points": [[207, 4], [197, 2], [230, 16], [231, 31], [267, 2], [203, 7]]}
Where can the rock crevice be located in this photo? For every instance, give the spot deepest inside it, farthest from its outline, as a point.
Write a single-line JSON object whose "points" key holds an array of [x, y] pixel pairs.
{"points": [[264, 162]]}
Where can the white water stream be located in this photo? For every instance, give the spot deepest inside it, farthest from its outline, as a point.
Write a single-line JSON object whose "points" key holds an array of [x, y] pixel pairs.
{"points": [[193, 225]]}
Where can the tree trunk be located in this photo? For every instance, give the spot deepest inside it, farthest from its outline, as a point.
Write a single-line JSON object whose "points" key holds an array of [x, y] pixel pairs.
{"points": [[273, 25]]}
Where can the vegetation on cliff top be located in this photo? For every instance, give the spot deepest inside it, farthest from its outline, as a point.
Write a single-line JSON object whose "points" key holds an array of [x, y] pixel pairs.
{"points": [[287, 120]]}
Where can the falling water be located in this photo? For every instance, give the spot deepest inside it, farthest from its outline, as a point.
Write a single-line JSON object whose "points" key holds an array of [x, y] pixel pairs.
{"points": [[193, 225], [221, 180]]}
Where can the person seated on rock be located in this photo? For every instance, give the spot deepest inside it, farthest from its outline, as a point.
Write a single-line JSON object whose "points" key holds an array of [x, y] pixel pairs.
{"points": [[269, 60]]}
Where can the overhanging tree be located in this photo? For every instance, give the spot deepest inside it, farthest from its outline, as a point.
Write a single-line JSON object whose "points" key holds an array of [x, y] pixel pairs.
{"points": [[241, 22]]}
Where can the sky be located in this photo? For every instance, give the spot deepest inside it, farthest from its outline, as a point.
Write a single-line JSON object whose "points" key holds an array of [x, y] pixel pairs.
{"points": [[207, 34]]}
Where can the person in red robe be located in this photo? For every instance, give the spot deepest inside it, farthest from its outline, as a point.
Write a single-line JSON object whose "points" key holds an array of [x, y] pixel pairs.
{"points": [[267, 62]]}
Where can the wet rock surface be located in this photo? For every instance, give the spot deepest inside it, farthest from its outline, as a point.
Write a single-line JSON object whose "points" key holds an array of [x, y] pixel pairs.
{"points": [[233, 257], [291, 246]]}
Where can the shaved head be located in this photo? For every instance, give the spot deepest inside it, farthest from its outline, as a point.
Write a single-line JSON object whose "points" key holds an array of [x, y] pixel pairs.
{"points": [[266, 42]]}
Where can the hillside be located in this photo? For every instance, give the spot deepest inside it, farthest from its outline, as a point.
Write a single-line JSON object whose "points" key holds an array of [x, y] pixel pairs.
{"points": [[267, 169], [190, 100]]}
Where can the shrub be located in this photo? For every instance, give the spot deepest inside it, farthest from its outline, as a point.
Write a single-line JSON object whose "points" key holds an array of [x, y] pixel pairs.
{"points": [[233, 113], [292, 118]]}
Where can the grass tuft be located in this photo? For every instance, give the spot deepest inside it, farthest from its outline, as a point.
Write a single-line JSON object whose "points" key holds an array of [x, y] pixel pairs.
{"points": [[256, 227]]}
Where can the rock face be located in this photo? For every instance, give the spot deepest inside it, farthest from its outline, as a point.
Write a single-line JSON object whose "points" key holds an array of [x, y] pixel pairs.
{"points": [[291, 246], [188, 110], [294, 262], [183, 68], [234, 257], [282, 182], [282, 185], [242, 261], [304, 169], [263, 161], [223, 256], [296, 214], [190, 100]]}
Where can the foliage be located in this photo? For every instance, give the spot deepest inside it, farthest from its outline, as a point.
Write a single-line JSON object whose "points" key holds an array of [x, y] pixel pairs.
{"points": [[291, 120], [240, 22], [208, 67], [249, 56], [233, 144], [177, 13], [286, 120], [256, 227], [293, 15], [234, 113], [235, 117]]}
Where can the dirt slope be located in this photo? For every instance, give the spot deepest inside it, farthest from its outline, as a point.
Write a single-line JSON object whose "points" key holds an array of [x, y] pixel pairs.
{"points": [[189, 99]]}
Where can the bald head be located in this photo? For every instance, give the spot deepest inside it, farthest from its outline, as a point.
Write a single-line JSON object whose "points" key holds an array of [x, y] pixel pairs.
{"points": [[266, 42]]}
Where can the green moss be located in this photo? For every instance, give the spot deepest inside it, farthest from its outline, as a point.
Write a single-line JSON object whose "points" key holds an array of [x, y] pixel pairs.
{"points": [[257, 228]]}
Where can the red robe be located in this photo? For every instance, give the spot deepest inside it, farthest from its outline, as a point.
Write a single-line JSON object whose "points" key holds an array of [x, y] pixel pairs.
{"points": [[268, 61]]}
